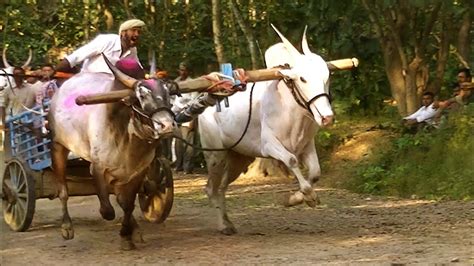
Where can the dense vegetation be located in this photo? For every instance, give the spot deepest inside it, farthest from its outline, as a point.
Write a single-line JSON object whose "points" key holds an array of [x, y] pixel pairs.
{"points": [[434, 164], [405, 48]]}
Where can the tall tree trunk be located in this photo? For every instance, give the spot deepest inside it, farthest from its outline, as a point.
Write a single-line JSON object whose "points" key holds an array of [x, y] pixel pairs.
{"points": [[164, 13], [109, 18], [442, 55], [394, 71], [248, 34], [216, 30], [86, 21], [464, 37], [126, 5]]}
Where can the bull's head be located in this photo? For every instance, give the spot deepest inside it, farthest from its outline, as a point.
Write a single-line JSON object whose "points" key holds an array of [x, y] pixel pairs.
{"points": [[152, 117], [308, 74]]}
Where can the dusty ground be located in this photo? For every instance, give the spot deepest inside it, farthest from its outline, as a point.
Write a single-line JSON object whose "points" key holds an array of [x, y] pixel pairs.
{"points": [[346, 229]]}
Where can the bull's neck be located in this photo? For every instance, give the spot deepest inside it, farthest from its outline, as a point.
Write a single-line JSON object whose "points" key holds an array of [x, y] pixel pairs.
{"points": [[119, 116]]}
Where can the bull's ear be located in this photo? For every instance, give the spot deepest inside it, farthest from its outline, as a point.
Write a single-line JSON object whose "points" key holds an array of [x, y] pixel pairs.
{"points": [[288, 73]]}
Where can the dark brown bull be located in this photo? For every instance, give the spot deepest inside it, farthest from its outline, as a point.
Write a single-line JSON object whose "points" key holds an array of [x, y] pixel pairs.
{"points": [[119, 140]]}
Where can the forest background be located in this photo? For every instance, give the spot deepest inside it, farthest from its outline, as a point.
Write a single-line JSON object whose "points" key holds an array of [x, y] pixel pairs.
{"points": [[404, 49]]}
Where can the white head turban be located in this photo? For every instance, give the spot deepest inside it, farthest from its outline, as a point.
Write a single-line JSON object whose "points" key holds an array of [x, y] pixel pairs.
{"points": [[131, 23]]}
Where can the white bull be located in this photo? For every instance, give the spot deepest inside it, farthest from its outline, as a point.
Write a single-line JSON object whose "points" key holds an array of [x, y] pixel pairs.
{"points": [[283, 125]]}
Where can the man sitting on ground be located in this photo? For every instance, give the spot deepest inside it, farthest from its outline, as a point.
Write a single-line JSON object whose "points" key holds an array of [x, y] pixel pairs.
{"points": [[463, 93], [424, 116]]}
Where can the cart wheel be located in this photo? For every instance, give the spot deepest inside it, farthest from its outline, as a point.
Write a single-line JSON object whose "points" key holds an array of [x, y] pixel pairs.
{"points": [[156, 197], [18, 200]]}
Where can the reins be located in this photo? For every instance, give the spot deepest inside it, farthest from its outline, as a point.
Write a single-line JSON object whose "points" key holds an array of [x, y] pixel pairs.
{"points": [[237, 142]]}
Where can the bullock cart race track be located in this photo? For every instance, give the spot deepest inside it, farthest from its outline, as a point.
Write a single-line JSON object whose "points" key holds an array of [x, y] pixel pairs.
{"points": [[345, 229]]}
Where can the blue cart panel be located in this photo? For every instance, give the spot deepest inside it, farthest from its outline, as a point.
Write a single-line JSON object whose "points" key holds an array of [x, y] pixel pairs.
{"points": [[28, 138]]}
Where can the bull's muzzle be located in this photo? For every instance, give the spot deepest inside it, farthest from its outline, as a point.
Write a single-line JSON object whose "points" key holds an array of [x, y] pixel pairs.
{"points": [[327, 120], [164, 125]]}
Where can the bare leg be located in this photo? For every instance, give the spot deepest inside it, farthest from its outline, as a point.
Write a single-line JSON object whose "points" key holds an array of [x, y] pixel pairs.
{"points": [[59, 158]]}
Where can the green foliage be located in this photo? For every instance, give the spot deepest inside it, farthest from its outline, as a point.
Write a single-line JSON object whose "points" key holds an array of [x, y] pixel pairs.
{"points": [[432, 164], [182, 31]]}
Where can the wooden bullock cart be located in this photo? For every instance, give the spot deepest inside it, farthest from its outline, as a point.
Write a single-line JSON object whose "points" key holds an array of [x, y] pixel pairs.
{"points": [[28, 175]]}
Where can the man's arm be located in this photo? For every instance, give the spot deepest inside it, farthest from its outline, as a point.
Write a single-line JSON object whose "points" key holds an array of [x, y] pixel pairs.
{"points": [[64, 66], [93, 48], [413, 116], [428, 114], [194, 108]]}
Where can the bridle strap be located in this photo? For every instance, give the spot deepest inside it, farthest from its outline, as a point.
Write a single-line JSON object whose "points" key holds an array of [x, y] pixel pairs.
{"points": [[300, 99]]}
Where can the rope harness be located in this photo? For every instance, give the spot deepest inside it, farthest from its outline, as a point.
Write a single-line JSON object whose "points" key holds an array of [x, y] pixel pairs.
{"points": [[300, 100]]}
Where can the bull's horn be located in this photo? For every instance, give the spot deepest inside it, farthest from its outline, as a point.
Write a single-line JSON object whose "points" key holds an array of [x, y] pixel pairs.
{"points": [[4, 57], [291, 49], [28, 61], [304, 43], [124, 78]]}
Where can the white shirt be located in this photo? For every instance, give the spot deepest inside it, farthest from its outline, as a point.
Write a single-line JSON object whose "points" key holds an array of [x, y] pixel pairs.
{"points": [[90, 54], [424, 114], [15, 99]]}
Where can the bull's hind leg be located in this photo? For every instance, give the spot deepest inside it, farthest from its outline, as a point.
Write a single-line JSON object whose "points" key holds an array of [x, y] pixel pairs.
{"points": [[59, 161], [106, 209], [223, 169], [126, 199]]}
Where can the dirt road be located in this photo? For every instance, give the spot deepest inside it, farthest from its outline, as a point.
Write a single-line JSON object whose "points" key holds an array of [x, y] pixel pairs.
{"points": [[346, 228]]}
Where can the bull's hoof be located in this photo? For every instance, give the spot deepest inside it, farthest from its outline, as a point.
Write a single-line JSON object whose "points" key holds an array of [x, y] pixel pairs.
{"points": [[127, 245], [228, 231], [312, 199], [108, 213], [294, 199], [67, 232], [137, 236]]}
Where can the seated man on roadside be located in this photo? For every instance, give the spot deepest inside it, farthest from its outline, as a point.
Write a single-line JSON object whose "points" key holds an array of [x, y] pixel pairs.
{"points": [[463, 92], [424, 116]]}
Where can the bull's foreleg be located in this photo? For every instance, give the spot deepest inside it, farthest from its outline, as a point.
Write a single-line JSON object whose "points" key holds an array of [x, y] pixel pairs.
{"points": [[310, 159], [272, 147], [106, 209], [126, 199], [59, 161]]}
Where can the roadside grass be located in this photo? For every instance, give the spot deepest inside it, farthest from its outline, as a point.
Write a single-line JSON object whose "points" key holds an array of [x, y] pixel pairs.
{"points": [[437, 164]]}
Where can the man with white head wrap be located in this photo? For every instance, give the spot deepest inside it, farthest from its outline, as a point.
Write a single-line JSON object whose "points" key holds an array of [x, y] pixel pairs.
{"points": [[114, 46]]}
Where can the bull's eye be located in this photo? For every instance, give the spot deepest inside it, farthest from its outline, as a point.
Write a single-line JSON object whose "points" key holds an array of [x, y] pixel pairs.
{"points": [[303, 80]]}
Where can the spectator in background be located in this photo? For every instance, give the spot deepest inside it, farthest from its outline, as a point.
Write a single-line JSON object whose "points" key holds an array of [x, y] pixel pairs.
{"points": [[184, 153], [424, 116], [462, 93], [18, 98], [49, 86]]}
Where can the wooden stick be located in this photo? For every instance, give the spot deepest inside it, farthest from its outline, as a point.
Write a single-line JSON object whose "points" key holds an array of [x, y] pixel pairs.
{"points": [[201, 84], [107, 97]]}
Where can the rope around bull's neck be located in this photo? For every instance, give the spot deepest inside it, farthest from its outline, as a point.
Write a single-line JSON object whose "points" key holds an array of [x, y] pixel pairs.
{"points": [[233, 145]]}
